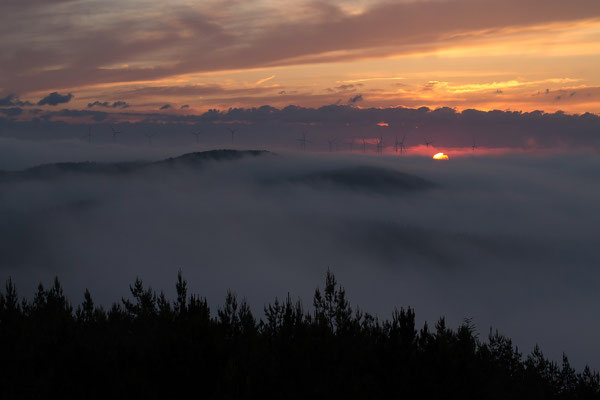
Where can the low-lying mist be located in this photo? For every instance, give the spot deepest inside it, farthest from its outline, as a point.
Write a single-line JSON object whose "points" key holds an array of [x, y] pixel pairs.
{"points": [[508, 240]]}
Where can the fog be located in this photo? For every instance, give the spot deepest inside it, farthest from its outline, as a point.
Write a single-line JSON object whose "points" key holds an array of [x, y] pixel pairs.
{"points": [[508, 240]]}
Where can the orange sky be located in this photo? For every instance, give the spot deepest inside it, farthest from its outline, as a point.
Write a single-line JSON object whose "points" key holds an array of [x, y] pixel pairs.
{"points": [[484, 54]]}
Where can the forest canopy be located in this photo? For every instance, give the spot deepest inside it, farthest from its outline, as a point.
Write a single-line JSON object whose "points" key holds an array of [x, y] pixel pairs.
{"points": [[152, 347]]}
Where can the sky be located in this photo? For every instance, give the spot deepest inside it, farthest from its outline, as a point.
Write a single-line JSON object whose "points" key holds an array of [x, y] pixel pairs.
{"points": [[508, 89], [185, 57]]}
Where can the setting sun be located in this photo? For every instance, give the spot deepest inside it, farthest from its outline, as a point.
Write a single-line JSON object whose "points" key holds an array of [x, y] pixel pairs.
{"points": [[440, 156]]}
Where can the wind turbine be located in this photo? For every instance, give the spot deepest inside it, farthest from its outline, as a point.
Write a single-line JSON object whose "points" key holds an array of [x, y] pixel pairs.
{"points": [[331, 142], [233, 131], [474, 146], [197, 134], [115, 133], [364, 144], [149, 136], [380, 145], [396, 144], [89, 135], [303, 141], [401, 144], [428, 142]]}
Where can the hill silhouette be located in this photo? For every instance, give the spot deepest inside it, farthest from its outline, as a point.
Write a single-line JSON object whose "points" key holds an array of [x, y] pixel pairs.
{"points": [[363, 178], [190, 160]]}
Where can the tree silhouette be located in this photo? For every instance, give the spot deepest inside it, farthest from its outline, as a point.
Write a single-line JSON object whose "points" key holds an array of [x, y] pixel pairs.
{"points": [[147, 346]]}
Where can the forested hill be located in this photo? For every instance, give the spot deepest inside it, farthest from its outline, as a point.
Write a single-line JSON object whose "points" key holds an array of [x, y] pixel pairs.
{"points": [[190, 160], [147, 346]]}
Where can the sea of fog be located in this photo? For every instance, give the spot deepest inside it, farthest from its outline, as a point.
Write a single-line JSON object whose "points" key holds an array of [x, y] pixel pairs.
{"points": [[508, 240]]}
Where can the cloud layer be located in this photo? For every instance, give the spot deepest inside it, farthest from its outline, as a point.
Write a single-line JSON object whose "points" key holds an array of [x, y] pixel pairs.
{"points": [[274, 128], [508, 240], [50, 48]]}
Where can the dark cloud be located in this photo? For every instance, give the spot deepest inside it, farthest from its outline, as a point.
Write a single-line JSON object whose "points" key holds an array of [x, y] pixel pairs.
{"points": [[165, 107], [184, 106], [99, 104], [55, 98], [351, 87], [106, 104], [11, 112], [355, 99], [8, 100], [120, 104], [429, 86], [263, 125], [12, 100], [344, 87], [97, 116]]}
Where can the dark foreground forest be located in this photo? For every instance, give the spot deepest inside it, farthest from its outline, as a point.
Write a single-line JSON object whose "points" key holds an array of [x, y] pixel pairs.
{"points": [[149, 347]]}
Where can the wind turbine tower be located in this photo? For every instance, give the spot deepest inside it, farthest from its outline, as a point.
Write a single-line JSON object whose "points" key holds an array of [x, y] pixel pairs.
{"points": [[232, 131], [197, 134], [114, 134], [149, 136], [379, 148], [89, 135], [401, 144], [331, 142], [303, 141]]}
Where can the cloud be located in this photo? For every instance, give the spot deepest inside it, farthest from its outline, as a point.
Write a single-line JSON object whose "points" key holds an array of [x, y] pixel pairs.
{"points": [[355, 99], [97, 116], [430, 85], [448, 127], [106, 104], [8, 100], [165, 107], [13, 100], [196, 39], [344, 87], [184, 106], [55, 98], [261, 81], [194, 90], [11, 112]]}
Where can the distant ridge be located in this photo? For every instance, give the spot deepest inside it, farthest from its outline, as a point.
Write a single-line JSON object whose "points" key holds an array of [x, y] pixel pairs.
{"points": [[212, 155], [197, 159], [362, 178]]}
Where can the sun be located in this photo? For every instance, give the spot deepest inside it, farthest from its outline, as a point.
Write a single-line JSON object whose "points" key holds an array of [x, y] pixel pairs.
{"points": [[440, 156]]}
